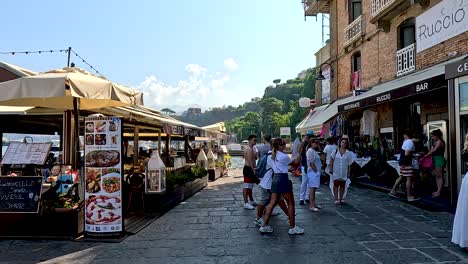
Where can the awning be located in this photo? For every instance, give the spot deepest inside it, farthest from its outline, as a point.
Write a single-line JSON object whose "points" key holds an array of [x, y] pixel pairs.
{"points": [[312, 120], [416, 83]]}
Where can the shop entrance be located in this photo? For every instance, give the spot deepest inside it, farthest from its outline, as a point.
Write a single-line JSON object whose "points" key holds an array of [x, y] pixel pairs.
{"points": [[461, 101]]}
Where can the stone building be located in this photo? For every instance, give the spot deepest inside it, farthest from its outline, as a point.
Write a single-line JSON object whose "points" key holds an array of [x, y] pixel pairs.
{"points": [[384, 71]]}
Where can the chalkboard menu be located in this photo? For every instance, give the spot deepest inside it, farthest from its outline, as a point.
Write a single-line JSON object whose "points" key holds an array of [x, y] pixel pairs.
{"points": [[20, 194]]}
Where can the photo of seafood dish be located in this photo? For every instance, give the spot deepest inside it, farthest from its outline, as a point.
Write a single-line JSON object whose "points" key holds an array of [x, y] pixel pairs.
{"points": [[100, 139], [102, 158], [101, 126], [89, 127], [103, 210], [112, 126], [93, 180], [110, 170], [89, 139], [111, 182]]}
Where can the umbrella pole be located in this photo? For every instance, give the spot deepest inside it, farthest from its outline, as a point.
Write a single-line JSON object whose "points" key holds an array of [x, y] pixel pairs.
{"points": [[76, 148]]}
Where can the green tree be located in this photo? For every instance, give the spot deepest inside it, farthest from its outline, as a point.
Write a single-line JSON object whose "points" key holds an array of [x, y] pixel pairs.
{"points": [[168, 111]]}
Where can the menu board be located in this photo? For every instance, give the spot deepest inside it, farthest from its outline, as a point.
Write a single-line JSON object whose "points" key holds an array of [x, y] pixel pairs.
{"points": [[26, 153], [103, 162], [20, 194]]}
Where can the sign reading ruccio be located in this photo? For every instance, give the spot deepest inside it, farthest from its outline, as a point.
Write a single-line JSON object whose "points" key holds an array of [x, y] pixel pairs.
{"points": [[443, 21]]}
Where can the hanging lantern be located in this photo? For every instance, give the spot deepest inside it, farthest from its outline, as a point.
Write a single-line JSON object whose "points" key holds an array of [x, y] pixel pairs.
{"points": [[155, 174], [211, 160], [202, 160]]}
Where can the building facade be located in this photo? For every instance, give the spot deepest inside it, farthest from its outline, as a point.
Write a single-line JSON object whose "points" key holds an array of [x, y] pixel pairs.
{"points": [[387, 73]]}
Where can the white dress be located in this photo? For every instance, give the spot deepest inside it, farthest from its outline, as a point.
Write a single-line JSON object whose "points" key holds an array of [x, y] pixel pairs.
{"points": [[460, 223], [341, 165]]}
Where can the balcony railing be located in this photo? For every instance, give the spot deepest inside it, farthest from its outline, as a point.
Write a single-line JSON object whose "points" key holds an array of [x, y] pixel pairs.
{"points": [[406, 60], [377, 6], [354, 31]]}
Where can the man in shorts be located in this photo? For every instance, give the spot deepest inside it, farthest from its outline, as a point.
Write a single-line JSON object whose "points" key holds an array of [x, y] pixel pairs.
{"points": [[249, 172]]}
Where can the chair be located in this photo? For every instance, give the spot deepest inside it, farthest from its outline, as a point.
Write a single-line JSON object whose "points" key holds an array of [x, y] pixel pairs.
{"points": [[136, 187]]}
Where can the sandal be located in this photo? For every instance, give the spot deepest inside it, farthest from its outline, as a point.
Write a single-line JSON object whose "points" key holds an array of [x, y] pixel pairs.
{"points": [[337, 202], [315, 209]]}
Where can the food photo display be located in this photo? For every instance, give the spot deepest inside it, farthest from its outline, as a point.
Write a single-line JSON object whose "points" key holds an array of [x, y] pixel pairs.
{"points": [[103, 192]]}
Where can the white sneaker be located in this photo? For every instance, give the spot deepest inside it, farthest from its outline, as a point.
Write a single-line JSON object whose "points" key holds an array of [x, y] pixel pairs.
{"points": [[259, 222], [274, 213], [253, 203], [266, 229], [248, 206], [296, 231]]}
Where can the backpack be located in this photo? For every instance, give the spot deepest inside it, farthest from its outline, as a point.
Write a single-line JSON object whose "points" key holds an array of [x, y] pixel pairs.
{"points": [[261, 169]]}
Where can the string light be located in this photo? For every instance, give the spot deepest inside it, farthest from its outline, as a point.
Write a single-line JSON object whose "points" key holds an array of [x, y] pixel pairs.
{"points": [[32, 51], [51, 51], [89, 65]]}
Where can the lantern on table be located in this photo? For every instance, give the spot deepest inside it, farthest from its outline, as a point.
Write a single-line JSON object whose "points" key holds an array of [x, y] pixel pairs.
{"points": [[155, 174], [202, 160]]}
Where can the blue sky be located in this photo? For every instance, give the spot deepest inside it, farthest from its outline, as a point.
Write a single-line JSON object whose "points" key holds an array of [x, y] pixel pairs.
{"points": [[179, 53]]}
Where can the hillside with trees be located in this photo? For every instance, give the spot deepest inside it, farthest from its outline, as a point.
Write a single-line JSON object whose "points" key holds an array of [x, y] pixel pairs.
{"points": [[277, 108]]}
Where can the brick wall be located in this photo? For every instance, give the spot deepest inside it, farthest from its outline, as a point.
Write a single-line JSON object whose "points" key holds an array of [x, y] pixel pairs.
{"points": [[378, 48]]}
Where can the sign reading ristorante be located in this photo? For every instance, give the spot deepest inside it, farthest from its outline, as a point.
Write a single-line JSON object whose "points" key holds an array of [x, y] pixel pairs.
{"points": [[404, 91]]}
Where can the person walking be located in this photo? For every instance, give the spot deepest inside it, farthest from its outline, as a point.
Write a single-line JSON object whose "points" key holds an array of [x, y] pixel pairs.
{"points": [[460, 223], [406, 167], [266, 147], [265, 194], [249, 172], [340, 168], [313, 173], [281, 185], [438, 159], [302, 159]]}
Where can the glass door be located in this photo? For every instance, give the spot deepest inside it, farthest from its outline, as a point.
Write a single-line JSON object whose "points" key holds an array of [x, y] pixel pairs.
{"points": [[461, 107]]}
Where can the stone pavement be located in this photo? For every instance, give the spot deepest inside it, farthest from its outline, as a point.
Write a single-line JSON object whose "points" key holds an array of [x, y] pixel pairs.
{"points": [[212, 227]]}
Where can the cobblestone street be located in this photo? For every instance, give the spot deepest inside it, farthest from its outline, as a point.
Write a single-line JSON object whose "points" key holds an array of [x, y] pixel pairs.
{"points": [[212, 227]]}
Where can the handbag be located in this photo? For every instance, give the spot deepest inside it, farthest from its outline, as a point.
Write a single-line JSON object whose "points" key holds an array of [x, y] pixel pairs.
{"points": [[426, 163]]}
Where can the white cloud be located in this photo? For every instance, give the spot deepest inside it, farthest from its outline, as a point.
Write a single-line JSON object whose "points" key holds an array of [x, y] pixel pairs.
{"points": [[200, 87], [230, 64]]}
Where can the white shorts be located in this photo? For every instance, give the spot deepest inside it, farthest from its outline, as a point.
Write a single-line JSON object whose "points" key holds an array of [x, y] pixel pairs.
{"points": [[248, 185], [313, 179]]}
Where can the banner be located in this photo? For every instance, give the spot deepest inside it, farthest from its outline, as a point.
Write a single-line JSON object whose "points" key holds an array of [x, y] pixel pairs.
{"points": [[285, 131], [103, 165]]}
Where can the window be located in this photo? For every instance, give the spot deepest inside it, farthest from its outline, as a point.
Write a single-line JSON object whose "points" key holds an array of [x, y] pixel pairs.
{"points": [[355, 9], [406, 33], [356, 62]]}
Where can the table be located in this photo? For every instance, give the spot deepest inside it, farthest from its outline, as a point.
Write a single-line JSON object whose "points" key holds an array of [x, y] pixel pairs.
{"points": [[362, 161], [394, 164]]}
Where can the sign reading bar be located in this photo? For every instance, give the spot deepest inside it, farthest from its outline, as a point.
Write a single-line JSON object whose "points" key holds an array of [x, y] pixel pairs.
{"points": [[456, 69], [443, 21], [20, 194], [405, 91]]}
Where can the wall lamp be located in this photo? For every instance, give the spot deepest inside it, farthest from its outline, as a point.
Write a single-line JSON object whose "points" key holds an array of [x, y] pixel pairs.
{"points": [[320, 76]]}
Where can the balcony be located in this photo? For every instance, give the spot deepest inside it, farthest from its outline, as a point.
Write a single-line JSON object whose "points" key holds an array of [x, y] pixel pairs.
{"points": [[383, 11], [354, 31], [406, 60], [314, 7]]}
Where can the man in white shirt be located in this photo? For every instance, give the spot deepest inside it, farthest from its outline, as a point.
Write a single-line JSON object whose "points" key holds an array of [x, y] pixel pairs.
{"points": [[329, 149]]}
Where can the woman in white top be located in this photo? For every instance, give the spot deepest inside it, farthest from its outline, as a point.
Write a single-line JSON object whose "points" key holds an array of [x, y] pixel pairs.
{"points": [[340, 167], [281, 185], [313, 173], [460, 223]]}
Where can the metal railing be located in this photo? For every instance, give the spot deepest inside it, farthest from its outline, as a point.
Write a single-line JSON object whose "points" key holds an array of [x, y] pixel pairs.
{"points": [[378, 6], [406, 60], [353, 31]]}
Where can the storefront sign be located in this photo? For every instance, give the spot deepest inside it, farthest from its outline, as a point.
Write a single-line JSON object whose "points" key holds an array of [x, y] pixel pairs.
{"points": [[285, 131], [456, 69], [445, 20], [20, 194], [398, 93], [103, 189]]}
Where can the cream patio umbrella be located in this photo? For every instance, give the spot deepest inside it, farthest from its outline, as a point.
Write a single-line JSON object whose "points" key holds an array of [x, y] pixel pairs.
{"points": [[67, 89]]}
